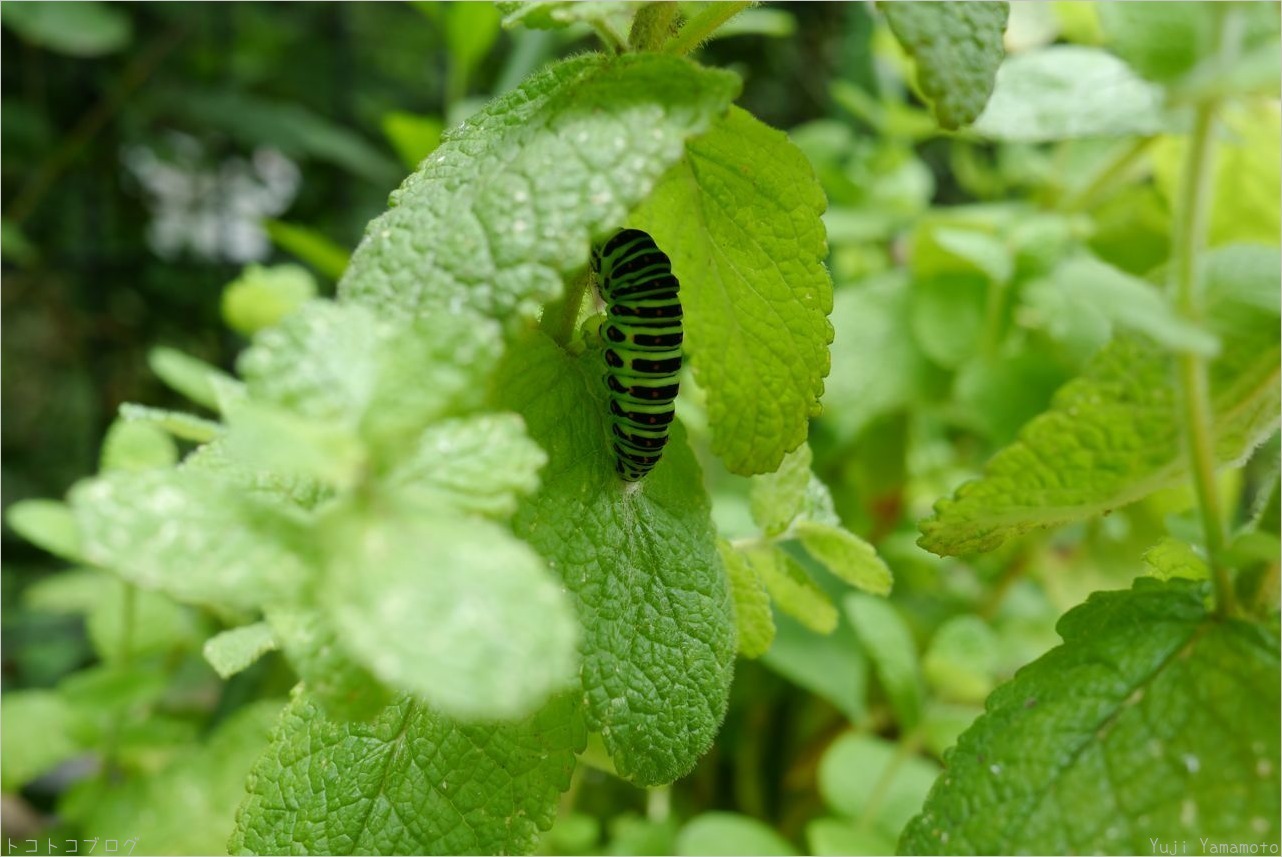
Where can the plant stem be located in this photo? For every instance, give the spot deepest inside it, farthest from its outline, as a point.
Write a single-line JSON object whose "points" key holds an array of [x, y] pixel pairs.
{"points": [[559, 318], [1189, 237], [701, 27], [653, 25], [1107, 175]]}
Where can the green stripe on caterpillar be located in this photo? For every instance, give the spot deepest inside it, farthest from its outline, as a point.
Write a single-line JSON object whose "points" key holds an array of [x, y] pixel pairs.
{"points": [[642, 333]]}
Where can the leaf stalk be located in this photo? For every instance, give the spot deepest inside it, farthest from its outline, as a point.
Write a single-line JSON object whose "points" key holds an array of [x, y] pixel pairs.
{"points": [[700, 28]]}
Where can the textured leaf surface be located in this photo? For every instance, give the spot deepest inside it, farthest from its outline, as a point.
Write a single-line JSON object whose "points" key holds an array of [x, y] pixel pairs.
{"points": [[740, 219], [751, 603], [1067, 92], [456, 611], [958, 47], [333, 678], [846, 555], [640, 563], [792, 589], [1112, 436], [236, 649], [187, 534], [509, 203], [1153, 719], [482, 464], [408, 782]]}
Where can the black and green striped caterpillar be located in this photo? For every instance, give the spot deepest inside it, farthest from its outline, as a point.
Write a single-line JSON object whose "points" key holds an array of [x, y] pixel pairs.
{"points": [[642, 332]]}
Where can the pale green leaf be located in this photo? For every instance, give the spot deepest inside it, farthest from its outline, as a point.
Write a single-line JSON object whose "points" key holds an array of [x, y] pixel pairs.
{"points": [[716, 833], [1067, 92], [456, 611], [740, 219], [846, 555], [834, 837], [413, 136], [48, 524], [135, 445], [957, 47], [38, 735], [831, 666], [76, 28], [778, 498], [181, 425], [190, 535], [889, 644], [261, 296], [640, 563], [1152, 719], [862, 774], [327, 258], [1113, 435], [333, 678], [751, 603], [481, 464], [289, 490], [614, 16], [792, 589], [961, 661], [470, 31], [510, 202], [1171, 557], [236, 649], [272, 439], [194, 378], [408, 782]]}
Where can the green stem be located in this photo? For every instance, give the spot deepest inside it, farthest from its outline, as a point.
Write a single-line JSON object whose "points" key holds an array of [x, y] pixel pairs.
{"points": [[560, 319], [700, 28], [1189, 238], [653, 25], [1107, 176], [129, 610]]}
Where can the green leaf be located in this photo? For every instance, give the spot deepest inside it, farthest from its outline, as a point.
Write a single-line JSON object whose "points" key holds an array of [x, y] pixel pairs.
{"points": [[343, 365], [1171, 557], [889, 644], [137, 446], [1068, 92], [181, 425], [236, 649], [1243, 207], [188, 534], [194, 378], [1112, 436], [792, 589], [833, 837], [74, 28], [751, 603], [961, 661], [470, 31], [327, 258], [272, 439], [413, 136], [1152, 718], [640, 564], [48, 524], [408, 782], [37, 735], [261, 296], [958, 47], [778, 498], [614, 17], [508, 205], [862, 774], [284, 490], [454, 610], [715, 833], [333, 678], [846, 555], [481, 464], [832, 666], [754, 289]]}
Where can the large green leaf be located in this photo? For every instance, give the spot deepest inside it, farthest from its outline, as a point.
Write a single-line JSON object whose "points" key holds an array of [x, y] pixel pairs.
{"points": [[77, 28], [509, 203], [1153, 721], [640, 563], [1112, 436], [958, 47], [408, 782], [740, 219]]}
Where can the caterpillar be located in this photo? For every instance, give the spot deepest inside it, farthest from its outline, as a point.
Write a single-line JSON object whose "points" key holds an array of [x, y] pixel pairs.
{"points": [[642, 332]]}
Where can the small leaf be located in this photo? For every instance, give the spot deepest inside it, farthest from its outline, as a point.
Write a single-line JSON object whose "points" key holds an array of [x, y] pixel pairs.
{"points": [[831, 666], [846, 555], [413, 782], [236, 649], [76, 28], [614, 16], [961, 661], [183, 373], [1171, 557], [482, 464], [890, 646], [792, 589], [38, 735], [958, 47], [778, 498], [715, 833], [860, 774], [833, 837], [261, 296], [181, 425], [1147, 682], [326, 257], [1069, 92], [413, 136], [132, 445], [751, 603], [754, 289], [48, 524]]}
